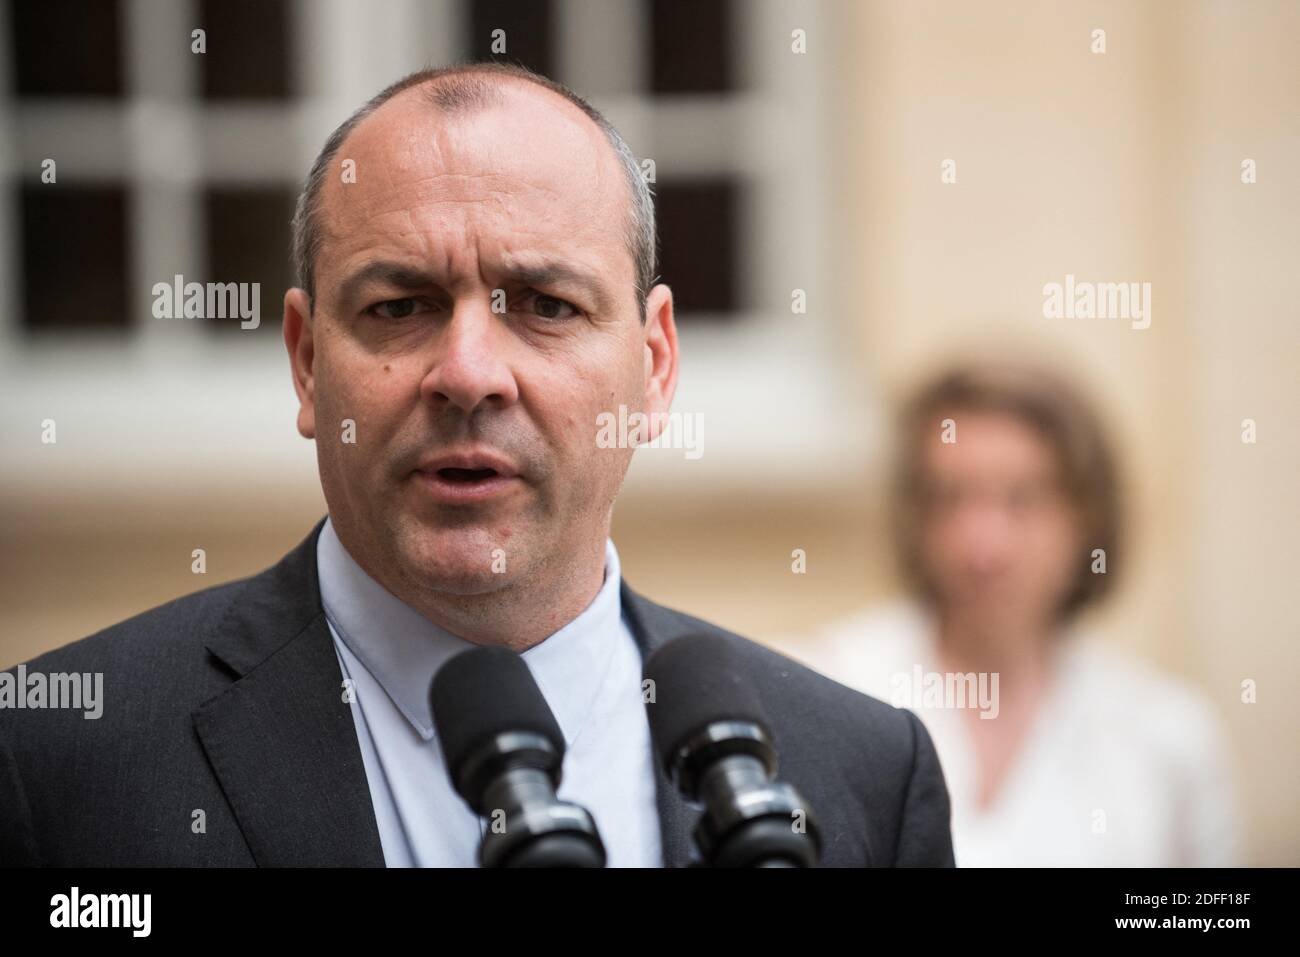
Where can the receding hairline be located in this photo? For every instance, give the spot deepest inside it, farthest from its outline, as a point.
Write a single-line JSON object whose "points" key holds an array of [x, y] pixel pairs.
{"points": [[449, 94]]}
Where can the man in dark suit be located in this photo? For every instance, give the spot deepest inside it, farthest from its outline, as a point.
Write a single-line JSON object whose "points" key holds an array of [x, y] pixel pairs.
{"points": [[475, 250]]}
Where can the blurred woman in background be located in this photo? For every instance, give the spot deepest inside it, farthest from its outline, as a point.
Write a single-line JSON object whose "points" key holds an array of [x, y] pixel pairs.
{"points": [[1058, 749]]}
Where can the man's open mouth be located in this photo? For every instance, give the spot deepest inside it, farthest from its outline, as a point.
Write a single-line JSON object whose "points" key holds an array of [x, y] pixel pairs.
{"points": [[466, 475]]}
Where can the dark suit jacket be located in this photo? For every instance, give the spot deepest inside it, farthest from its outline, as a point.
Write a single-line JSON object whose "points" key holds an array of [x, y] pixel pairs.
{"points": [[230, 701]]}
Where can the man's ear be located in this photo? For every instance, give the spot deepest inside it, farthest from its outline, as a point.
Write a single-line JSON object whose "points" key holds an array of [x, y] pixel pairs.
{"points": [[660, 351], [298, 340]]}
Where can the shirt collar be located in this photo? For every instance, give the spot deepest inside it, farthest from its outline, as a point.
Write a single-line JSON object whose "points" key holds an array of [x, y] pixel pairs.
{"points": [[403, 650]]}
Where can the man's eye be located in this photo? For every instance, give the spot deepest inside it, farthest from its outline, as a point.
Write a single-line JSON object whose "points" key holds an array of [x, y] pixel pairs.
{"points": [[549, 307], [395, 308]]}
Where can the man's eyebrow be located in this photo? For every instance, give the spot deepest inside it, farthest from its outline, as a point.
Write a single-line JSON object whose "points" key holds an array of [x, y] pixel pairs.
{"points": [[551, 272], [540, 274], [387, 273]]}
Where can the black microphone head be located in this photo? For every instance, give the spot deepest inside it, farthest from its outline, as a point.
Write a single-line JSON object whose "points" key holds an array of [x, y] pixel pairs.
{"points": [[700, 681], [480, 694]]}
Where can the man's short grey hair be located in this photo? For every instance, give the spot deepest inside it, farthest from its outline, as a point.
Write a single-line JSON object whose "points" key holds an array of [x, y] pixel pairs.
{"points": [[457, 89]]}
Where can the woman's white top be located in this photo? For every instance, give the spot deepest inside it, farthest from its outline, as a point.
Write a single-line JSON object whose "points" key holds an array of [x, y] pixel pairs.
{"points": [[1123, 765]]}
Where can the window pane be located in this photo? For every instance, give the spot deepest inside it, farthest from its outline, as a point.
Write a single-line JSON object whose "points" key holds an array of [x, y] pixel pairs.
{"points": [[248, 49], [248, 241], [66, 47], [527, 25], [690, 46], [698, 249], [74, 252]]}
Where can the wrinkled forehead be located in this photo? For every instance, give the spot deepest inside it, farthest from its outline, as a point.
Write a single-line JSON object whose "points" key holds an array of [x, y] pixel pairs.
{"points": [[525, 163]]}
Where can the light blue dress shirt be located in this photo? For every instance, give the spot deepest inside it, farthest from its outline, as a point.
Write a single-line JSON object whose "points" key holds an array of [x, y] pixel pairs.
{"points": [[589, 672]]}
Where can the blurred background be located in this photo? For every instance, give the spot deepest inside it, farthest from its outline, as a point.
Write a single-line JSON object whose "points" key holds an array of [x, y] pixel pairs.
{"points": [[799, 153]]}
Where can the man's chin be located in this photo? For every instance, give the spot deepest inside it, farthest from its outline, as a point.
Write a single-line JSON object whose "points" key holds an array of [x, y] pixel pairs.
{"points": [[457, 561]]}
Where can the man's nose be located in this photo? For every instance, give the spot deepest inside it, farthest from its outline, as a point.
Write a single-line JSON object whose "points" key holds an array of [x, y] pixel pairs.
{"points": [[470, 368]]}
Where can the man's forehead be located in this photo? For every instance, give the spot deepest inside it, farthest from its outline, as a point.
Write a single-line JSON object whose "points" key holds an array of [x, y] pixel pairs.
{"points": [[521, 139]]}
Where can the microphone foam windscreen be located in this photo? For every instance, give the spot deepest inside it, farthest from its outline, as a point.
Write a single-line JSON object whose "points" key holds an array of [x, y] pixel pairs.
{"points": [[698, 679], [484, 692]]}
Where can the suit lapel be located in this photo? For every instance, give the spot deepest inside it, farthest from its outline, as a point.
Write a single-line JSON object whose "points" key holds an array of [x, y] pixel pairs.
{"points": [[677, 819], [283, 743], [281, 739]]}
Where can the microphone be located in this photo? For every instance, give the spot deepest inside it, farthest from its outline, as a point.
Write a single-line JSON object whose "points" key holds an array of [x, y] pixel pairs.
{"points": [[710, 733], [504, 750]]}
